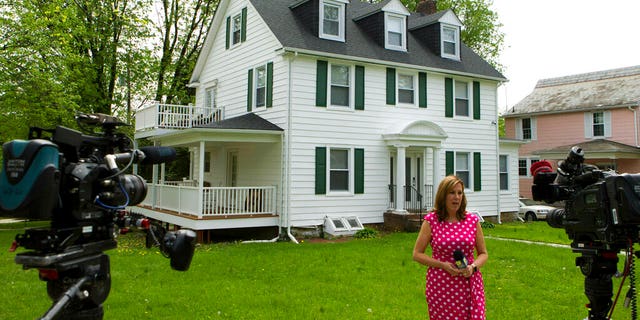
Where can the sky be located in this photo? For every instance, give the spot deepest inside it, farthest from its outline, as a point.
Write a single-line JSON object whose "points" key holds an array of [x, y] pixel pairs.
{"points": [[555, 38]]}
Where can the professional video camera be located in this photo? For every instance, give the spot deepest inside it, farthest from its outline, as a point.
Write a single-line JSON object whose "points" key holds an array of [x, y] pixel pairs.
{"points": [[73, 180], [601, 215]]}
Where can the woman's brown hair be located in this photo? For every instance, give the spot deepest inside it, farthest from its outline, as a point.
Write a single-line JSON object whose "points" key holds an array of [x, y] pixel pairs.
{"points": [[440, 205]]}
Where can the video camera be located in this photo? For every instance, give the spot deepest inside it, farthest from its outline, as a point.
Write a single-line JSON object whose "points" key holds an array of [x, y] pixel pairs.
{"points": [[601, 215], [73, 180]]}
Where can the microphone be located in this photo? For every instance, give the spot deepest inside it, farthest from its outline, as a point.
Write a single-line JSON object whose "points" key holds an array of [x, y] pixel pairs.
{"points": [[157, 155], [461, 260], [144, 155]]}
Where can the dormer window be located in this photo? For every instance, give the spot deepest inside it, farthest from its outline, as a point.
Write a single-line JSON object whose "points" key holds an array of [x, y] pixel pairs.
{"points": [[450, 42], [395, 32], [332, 19]]}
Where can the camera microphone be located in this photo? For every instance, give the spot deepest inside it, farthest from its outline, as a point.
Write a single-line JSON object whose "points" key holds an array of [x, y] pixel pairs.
{"points": [[144, 155], [461, 260]]}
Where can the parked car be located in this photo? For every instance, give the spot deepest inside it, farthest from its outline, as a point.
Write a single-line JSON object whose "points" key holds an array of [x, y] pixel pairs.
{"points": [[532, 210]]}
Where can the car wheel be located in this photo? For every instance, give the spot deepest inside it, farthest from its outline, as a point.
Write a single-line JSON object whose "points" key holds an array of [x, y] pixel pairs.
{"points": [[530, 216]]}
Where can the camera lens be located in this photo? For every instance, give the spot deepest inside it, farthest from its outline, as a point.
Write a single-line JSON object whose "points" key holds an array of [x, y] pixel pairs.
{"points": [[555, 218]]}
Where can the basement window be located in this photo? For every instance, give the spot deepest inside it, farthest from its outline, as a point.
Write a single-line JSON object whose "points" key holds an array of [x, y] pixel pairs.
{"points": [[342, 226]]}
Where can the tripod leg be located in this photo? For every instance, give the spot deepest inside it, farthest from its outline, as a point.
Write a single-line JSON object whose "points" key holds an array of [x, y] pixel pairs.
{"points": [[64, 300]]}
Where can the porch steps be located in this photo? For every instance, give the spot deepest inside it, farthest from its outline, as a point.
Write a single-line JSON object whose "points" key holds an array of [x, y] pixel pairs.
{"points": [[407, 222]]}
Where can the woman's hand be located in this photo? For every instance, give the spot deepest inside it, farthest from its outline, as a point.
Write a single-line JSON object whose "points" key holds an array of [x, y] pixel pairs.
{"points": [[451, 269], [468, 271]]}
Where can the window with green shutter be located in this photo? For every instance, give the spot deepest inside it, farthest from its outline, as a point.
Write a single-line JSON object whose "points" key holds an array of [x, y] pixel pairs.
{"points": [[391, 86], [236, 29], [260, 84], [321, 83], [359, 88], [249, 90], [448, 97], [321, 170], [422, 89], [359, 171], [477, 172], [476, 100]]}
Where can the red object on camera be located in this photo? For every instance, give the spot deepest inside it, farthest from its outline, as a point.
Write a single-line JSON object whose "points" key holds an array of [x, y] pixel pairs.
{"points": [[540, 166]]}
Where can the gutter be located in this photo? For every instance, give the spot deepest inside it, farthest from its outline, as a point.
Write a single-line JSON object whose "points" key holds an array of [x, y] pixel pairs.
{"points": [[314, 53]]}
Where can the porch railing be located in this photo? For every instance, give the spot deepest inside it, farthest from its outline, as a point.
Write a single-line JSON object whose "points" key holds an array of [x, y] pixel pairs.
{"points": [[170, 116], [415, 201], [216, 201]]}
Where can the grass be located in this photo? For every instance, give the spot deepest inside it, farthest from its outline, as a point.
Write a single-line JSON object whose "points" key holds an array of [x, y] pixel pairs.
{"points": [[357, 279]]}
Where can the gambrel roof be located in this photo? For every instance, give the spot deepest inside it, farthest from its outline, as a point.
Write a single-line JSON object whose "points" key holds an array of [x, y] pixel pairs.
{"points": [[601, 90], [294, 29]]}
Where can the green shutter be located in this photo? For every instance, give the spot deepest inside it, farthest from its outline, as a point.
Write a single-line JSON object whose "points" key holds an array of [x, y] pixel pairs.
{"points": [[448, 163], [477, 172], [321, 170], [448, 97], [228, 37], [391, 86], [476, 100], [243, 30], [422, 89], [321, 83], [269, 84], [359, 171], [249, 90], [359, 88]]}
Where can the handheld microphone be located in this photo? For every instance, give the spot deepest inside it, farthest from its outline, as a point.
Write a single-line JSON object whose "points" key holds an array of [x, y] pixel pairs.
{"points": [[461, 260]]}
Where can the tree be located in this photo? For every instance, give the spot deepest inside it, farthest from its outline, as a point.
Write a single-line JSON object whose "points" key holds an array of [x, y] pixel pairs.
{"points": [[481, 31], [181, 28]]}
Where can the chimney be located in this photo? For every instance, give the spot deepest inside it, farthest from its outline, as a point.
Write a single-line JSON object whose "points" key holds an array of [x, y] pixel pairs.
{"points": [[427, 7]]}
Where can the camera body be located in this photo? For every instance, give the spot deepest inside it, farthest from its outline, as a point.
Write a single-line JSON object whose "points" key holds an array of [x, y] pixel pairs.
{"points": [[602, 208], [66, 179]]}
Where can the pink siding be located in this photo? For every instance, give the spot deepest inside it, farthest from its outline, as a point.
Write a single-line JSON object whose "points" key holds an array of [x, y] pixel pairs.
{"points": [[555, 130]]}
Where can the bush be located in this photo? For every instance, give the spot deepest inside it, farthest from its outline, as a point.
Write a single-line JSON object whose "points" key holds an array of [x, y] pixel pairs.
{"points": [[366, 233], [487, 225]]}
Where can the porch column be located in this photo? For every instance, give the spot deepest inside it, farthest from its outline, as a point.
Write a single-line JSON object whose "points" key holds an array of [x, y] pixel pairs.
{"points": [[400, 178], [436, 172], [200, 178], [154, 180]]}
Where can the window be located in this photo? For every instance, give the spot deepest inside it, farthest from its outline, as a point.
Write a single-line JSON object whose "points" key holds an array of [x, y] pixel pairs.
{"points": [[395, 32], [462, 98], [598, 124], [332, 20], [504, 172], [450, 42], [340, 85], [526, 128], [210, 98], [463, 168], [523, 166], [207, 161], [406, 90], [339, 170], [236, 29], [261, 86]]}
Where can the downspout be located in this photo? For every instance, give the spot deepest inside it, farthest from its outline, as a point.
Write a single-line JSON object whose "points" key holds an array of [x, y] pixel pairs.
{"points": [[288, 149]]}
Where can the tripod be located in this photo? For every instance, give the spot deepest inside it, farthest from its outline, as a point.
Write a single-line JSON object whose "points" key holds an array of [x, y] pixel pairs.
{"points": [[78, 279]]}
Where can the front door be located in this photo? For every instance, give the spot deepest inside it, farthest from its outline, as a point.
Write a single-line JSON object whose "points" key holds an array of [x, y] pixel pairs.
{"points": [[413, 176]]}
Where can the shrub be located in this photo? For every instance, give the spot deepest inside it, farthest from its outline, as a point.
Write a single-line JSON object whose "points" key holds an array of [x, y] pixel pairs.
{"points": [[366, 233]]}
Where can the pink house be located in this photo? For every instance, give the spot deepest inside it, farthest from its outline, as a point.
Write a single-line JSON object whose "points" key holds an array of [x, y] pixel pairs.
{"points": [[598, 111]]}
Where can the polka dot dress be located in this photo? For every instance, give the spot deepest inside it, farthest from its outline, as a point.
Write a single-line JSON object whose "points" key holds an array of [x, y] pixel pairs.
{"points": [[448, 297]]}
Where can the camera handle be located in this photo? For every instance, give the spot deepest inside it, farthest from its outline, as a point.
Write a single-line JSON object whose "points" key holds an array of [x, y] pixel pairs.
{"points": [[67, 297]]}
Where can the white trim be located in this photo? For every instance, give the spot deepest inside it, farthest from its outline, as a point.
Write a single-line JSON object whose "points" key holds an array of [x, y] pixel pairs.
{"points": [[341, 20], [469, 85], [351, 86], [414, 78], [388, 17], [456, 41]]}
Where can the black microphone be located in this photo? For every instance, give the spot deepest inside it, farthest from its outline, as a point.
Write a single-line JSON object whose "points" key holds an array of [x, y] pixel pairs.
{"points": [[461, 260], [144, 155], [157, 155]]}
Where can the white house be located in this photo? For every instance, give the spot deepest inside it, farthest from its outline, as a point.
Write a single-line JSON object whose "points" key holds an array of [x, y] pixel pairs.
{"points": [[308, 109]]}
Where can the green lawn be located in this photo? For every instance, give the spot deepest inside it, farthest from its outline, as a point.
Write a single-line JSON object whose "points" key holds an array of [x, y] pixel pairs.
{"points": [[356, 279]]}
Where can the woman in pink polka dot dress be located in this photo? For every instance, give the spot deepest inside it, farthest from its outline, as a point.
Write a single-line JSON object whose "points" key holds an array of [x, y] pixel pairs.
{"points": [[452, 293]]}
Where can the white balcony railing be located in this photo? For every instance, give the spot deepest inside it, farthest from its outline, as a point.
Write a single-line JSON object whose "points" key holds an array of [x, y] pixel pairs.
{"points": [[170, 116], [218, 201]]}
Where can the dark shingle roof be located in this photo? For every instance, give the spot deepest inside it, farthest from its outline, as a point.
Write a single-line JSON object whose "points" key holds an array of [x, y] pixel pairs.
{"points": [[249, 121], [293, 33]]}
